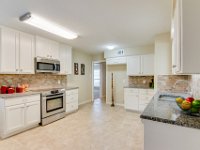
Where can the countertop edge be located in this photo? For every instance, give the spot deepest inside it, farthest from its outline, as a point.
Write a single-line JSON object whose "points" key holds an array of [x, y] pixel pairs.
{"points": [[18, 94]]}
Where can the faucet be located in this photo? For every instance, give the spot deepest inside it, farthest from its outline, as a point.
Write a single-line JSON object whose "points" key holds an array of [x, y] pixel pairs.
{"points": [[187, 90]]}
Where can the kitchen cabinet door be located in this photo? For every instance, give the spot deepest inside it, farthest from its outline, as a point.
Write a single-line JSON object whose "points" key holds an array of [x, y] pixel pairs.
{"points": [[42, 47], [133, 65], [32, 113], [65, 59], [8, 51], [131, 99], [147, 64], [116, 61], [53, 51], [69, 61], [14, 118], [26, 53], [71, 100]]}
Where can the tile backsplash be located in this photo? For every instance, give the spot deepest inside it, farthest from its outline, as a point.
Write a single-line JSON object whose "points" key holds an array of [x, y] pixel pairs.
{"points": [[140, 81], [176, 83], [195, 85], [35, 81]]}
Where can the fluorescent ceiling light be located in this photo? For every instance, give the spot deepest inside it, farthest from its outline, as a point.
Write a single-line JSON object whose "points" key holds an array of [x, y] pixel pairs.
{"points": [[48, 26]]}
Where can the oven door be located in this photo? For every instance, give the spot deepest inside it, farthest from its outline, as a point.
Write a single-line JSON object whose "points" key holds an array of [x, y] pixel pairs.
{"points": [[53, 104]]}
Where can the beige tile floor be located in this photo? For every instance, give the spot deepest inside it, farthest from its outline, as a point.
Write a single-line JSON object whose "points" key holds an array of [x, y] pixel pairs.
{"points": [[95, 126]]}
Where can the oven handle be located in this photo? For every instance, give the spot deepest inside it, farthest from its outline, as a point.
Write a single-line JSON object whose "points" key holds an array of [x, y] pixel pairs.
{"points": [[59, 95]]}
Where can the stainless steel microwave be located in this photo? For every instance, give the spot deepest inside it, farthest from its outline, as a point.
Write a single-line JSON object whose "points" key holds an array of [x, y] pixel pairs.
{"points": [[45, 65]]}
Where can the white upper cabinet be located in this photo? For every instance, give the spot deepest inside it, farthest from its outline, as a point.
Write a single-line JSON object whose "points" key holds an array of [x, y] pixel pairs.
{"points": [[26, 53], [47, 48], [140, 65], [133, 65], [147, 64], [185, 37], [65, 59], [163, 54], [16, 52], [116, 61]]}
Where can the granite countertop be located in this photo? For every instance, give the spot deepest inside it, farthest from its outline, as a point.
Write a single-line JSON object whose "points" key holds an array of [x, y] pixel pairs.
{"points": [[71, 87], [18, 94], [138, 87], [168, 112]]}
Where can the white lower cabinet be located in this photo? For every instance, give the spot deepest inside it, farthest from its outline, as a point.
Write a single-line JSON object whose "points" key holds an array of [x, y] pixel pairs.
{"points": [[32, 118], [137, 99], [71, 100], [19, 114], [14, 118]]}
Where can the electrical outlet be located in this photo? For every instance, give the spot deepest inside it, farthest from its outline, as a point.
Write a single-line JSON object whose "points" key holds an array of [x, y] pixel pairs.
{"points": [[58, 81]]}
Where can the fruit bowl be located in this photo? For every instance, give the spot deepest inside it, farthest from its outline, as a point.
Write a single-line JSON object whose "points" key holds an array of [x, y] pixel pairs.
{"points": [[189, 106]]}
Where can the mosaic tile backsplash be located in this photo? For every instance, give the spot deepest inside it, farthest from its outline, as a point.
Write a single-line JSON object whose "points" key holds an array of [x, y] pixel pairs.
{"points": [[35, 81], [140, 81]]}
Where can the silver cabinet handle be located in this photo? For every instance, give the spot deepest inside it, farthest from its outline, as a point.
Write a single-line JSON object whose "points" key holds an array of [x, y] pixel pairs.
{"points": [[17, 69], [21, 70]]}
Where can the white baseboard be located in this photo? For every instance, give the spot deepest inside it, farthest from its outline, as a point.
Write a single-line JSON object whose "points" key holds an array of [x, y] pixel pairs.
{"points": [[117, 104], [85, 102]]}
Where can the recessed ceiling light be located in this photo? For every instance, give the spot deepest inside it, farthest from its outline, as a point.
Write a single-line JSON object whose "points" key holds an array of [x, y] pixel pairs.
{"points": [[48, 26], [110, 47]]}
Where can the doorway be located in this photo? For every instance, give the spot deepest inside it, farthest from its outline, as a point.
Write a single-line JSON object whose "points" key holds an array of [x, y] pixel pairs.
{"points": [[99, 80]]}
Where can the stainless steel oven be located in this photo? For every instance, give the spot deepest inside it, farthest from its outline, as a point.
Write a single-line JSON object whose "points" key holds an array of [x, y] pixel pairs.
{"points": [[43, 65], [53, 105]]}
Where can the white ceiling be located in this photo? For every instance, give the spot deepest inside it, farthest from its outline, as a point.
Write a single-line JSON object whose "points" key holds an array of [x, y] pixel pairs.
{"points": [[125, 23]]}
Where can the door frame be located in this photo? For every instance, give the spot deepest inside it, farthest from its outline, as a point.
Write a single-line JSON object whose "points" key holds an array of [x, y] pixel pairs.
{"points": [[95, 62]]}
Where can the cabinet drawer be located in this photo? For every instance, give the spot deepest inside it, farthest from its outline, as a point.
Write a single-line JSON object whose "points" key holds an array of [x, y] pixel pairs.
{"points": [[71, 106], [13, 101], [143, 91], [72, 98], [21, 100], [131, 90], [32, 98], [71, 92]]}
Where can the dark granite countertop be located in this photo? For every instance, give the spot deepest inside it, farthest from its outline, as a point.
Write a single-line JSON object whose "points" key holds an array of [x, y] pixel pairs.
{"points": [[168, 112]]}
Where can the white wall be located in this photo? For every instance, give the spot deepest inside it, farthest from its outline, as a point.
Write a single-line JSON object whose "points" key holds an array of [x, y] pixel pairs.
{"points": [[84, 82]]}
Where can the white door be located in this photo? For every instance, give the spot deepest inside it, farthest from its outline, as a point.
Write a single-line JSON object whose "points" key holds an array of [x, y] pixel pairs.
{"points": [[147, 62], [42, 47], [32, 113], [14, 118], [8, 51], [26, 57], [133, 65]]}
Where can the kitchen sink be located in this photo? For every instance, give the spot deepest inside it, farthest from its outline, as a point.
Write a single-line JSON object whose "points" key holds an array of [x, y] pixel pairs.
{"points": [[167, 97]]}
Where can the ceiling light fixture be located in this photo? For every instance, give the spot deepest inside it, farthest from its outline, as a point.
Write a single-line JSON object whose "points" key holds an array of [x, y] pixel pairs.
{"points": [[48, 26], [110, 47]]}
